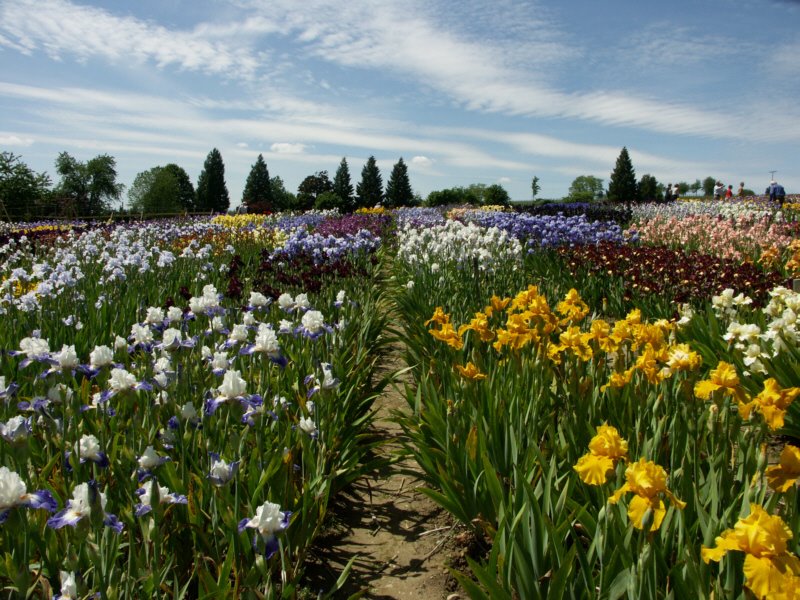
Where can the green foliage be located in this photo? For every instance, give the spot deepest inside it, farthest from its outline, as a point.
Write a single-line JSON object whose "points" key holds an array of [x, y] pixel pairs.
{"points": [[257, 195], [282, 198], [622, 185], [21, 189], [186, 193], [369, 191], [447, 196], [330, 200], [155, 191], [708, 186], [212, 192], [85, 189], [535, 188], [398, 188], [343, 187], [311, 188], [496, 195], [648, 189], [695, 187], [585, 188]]}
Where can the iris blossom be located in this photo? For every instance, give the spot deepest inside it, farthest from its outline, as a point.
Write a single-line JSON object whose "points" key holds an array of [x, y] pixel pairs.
{"points": [[783, 476], [14, 494], [86, 498], [268, 520], [768, 565], [605, 449], [647, 481], [772, 402]]}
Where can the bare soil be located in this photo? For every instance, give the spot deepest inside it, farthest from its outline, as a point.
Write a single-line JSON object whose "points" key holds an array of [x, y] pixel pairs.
{"points": [[402, 541]]}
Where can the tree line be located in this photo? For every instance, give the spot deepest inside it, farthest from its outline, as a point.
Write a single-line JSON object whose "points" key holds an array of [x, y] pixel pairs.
{"points": [[623, 186], [90, 189]]}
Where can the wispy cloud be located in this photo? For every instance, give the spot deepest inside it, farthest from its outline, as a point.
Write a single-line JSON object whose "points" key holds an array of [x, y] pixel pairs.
{"points": [[287, 148], [9, 139], [63, 29]]}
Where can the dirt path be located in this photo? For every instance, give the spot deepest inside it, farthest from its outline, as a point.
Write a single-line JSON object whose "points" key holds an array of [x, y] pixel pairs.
{"points": [[402, 540]]}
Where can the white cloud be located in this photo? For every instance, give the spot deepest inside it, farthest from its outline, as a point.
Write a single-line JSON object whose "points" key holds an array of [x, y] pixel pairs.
{"points": [[421, 161], [504, 180], [61, 28], [287, 148], [242, 145], [15, 140]]}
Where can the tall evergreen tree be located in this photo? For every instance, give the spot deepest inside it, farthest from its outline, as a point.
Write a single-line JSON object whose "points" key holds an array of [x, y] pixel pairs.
{"points": [[212, 193], [398, 188], [257, 196], [622, 187], [369, 191], [342, 186]]}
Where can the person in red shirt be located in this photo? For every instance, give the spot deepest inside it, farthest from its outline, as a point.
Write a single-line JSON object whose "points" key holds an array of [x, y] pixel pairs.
{"points": [[729, 192]]}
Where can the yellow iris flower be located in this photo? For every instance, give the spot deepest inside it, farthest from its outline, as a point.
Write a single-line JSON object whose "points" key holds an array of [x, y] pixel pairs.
{"points": [[605, 449], [783, 476], [768, 566], [572, 307], [647, 480], [448, 335], [439, 316], [724, 378], [480, 325], [772, 402], [470, 371], [682, 358]]}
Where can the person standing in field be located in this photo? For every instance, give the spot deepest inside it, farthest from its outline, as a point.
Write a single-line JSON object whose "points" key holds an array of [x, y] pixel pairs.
{"points": [[729, 193], [776, 192], [668, 193], [719, 189], [740, 191]]}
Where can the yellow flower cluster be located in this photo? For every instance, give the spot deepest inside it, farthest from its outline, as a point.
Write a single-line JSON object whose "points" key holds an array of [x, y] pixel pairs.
{"points": [[772, 402], [527, 320], [378, 210], [771, 571], [22, 287], [793, 264], [239, 221], [784, 475]]}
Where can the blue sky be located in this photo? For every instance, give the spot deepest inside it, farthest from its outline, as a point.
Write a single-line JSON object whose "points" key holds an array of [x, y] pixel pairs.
{"points": [[465, 91]]}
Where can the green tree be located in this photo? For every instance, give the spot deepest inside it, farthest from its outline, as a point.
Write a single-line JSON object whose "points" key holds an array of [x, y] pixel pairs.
{"points": [[535, 188], [155, 191], [329, 201], [311, 188], [212, 193], [496, 195], [369, 191], [708, 186], [622, 185], [257, 195], [281, 197], [186, 193], [87, 188], [585, 188], [343, 186], [648, 189], [449, 196], [695, 187], [474, 193], [21, 189], [683, 187], [398, 188]]}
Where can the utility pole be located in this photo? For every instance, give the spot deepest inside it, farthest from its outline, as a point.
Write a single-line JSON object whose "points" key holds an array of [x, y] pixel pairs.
{"points": [[772, 175]]}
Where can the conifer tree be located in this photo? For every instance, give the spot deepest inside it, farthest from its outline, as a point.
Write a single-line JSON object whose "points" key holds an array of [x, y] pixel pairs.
{"points": [[212, 193], [622, 187], [369, 191], [342, 186], [257, 195], [398, 188]]}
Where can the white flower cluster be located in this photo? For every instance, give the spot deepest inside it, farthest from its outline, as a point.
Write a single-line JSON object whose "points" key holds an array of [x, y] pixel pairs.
{"points": [[455, 243]]}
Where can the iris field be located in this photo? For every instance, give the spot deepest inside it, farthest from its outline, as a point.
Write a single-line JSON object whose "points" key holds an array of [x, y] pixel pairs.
{"points": [[603, 396]]}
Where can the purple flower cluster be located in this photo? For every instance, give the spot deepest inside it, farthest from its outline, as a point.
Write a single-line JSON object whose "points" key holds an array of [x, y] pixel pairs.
{"points": [[305, 221], [352, 224], [549, 231], [326, 248], [419, 217]]}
